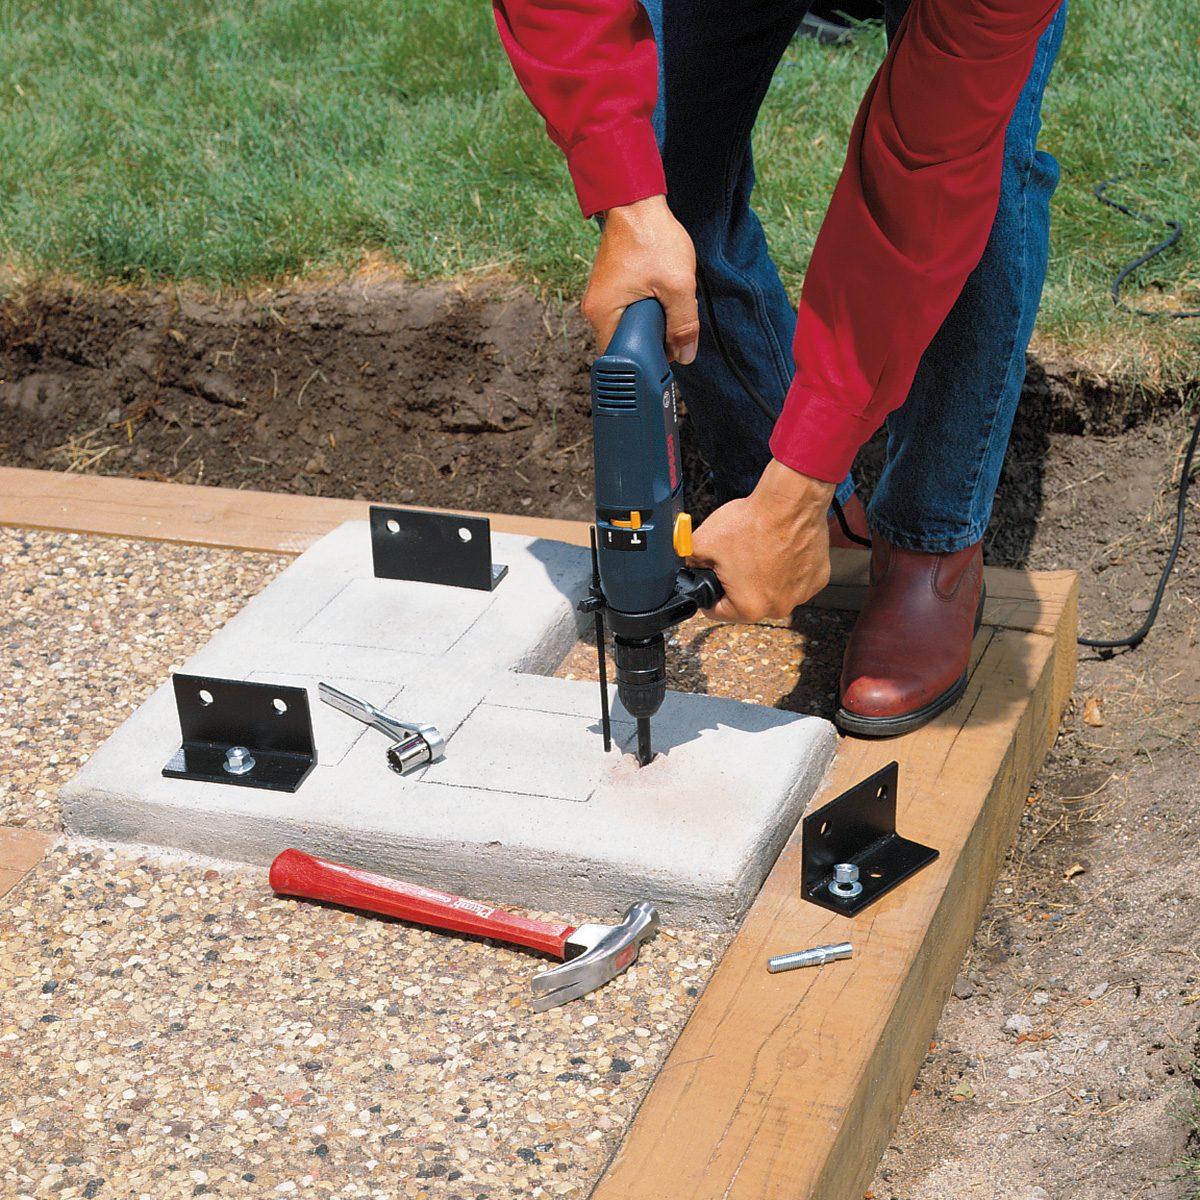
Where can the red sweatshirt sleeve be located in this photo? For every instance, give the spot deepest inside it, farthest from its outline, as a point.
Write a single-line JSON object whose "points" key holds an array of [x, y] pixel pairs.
{"points": [[590, 67], [908, 221]]}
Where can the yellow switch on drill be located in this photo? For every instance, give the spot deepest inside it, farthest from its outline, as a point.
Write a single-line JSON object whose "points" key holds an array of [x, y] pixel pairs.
{"points": [[683, 535]]}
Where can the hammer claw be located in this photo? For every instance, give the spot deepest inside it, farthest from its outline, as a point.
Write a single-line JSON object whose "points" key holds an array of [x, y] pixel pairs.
{"points": [[607, 950], [565, 994]]}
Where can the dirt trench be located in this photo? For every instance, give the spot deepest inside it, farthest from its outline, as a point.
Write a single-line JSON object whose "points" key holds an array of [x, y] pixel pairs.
{"points": [[420, 395], [469, 396]]}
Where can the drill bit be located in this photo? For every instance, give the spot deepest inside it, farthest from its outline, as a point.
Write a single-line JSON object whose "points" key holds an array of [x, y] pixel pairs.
{"points": [[644, 752]]}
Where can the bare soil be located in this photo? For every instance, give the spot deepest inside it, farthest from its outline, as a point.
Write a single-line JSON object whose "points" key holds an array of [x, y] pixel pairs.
{"points": [[449, 396], [1064, 1065], [436, 396]]}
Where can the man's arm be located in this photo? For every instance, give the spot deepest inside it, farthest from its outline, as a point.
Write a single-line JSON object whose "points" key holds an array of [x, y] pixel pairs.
{"points": [[907, 224], [908, 221], [590, 68]]}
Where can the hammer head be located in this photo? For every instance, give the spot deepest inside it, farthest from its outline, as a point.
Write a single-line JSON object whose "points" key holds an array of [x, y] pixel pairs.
{"points": [[601, 953]]}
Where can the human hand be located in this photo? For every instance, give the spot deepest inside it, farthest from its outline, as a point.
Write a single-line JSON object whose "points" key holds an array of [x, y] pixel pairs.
{"points": [[770, 550], [644, 252]]}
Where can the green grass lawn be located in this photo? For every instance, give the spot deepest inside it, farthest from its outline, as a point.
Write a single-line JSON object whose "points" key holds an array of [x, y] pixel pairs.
{"points": [[227, 144]]}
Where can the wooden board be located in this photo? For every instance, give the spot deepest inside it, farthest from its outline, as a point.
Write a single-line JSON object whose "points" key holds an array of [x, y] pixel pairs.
{"points": [[20, 851], [781, 1085], [286, 524], [202, 516]]}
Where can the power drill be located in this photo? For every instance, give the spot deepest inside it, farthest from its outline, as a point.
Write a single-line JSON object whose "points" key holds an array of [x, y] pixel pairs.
{"points": [[642, 535]]}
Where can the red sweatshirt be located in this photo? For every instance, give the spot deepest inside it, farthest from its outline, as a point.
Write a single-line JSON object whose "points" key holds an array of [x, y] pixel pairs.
{"points": [[908, 220]]}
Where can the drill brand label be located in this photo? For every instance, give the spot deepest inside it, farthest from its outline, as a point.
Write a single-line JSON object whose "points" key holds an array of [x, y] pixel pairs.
{"points": [[671, 428], [473, 906]]}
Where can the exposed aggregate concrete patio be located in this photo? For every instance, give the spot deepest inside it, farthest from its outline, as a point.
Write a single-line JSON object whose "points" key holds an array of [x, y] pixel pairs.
{"points": [[169, 1028]]}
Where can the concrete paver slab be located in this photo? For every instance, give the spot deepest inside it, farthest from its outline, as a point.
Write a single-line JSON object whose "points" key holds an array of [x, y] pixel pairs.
{"points": [[525, 808]]}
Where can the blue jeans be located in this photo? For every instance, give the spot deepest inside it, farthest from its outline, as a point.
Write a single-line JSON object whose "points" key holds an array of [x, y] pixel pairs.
{"points": [[946, 444]]}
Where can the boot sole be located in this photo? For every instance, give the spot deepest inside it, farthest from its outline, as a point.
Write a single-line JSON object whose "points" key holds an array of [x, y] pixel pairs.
{"points": [[882, 727]]}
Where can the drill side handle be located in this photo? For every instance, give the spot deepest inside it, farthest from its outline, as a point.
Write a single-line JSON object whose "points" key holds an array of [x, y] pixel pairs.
{"points": [[701, 585], [695, 588]]}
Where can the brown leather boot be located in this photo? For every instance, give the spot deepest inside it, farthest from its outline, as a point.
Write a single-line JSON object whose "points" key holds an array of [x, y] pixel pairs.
{"points": [[906, 660]]}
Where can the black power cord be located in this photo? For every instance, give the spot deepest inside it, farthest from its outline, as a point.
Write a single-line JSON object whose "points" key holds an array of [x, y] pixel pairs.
{"points": [[1185, 481], [1176, 228], [1185, 478]]}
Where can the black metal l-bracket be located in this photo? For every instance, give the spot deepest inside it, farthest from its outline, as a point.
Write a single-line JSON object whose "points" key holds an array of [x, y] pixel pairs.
{"points": [[218, 718], [432, 547], [859, 828]]}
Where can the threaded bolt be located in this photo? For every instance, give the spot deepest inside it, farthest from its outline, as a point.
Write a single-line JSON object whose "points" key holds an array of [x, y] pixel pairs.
{"points": [[818, 956]]}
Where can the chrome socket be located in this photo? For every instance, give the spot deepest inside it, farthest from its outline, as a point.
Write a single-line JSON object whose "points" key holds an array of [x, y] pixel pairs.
{"points": [[417, 745], [409, 755]]}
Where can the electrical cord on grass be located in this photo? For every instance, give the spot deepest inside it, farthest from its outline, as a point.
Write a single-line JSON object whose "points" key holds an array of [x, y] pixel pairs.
{"points": [[1185, 478], [1176, 228]]}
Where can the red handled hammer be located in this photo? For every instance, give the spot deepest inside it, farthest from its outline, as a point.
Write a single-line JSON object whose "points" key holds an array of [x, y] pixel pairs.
{"points": [[594, 954]]}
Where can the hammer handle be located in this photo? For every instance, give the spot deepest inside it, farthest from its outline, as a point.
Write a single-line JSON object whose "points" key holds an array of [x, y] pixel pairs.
{"points": [[294, 873]]}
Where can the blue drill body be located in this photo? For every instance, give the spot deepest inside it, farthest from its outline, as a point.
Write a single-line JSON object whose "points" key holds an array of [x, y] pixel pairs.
{"points": [[638, 463], [642, 583]]}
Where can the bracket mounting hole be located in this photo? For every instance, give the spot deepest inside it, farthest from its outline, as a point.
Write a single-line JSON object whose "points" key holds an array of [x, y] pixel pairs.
{"points": [[206, 697], [464, 534], [826, 829], [393, 526], [875, 874], [882, 794], [280, 706]]}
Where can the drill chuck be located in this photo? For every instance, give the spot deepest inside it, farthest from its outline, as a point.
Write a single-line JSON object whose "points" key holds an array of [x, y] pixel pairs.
{"points": [[641, 674]]}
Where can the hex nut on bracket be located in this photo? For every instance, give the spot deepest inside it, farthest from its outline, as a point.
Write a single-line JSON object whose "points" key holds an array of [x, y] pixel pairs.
{"points": [[844, 884], [238, 760], [851, 853]]}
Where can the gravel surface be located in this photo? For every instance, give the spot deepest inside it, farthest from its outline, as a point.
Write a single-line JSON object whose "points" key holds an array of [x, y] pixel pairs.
{"points": [[89, 628], [145, 1050], [170, 1028]]}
